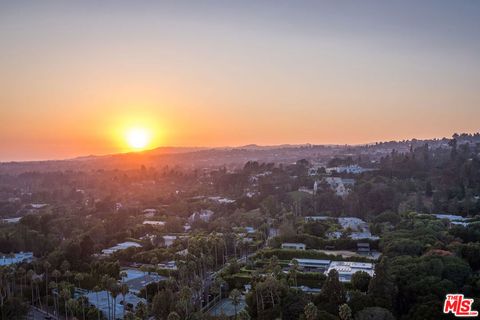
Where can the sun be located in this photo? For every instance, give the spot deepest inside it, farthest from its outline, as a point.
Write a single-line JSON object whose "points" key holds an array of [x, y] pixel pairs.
{"points": [[138, 138]]}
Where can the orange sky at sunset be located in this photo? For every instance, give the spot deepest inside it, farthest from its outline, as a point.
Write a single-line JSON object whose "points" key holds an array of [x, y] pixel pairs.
{"points": [[76, 77]]}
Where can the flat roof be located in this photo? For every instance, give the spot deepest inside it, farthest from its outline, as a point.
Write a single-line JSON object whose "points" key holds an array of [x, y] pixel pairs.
{"points": [[312, 261]]}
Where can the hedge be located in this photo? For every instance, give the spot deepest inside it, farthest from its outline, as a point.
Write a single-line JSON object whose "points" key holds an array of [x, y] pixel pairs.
{"points": [[286, 254]]}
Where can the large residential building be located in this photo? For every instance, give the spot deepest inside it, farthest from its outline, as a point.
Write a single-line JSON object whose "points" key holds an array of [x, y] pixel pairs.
{"points": [[137, 279], [340, 186], [314, 265], [121, 246], [353, 169], [346, 269]]}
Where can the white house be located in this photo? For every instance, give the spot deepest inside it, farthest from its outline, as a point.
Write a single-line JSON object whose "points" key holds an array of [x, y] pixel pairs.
{"points": [[203, 215], [346, 269], [293, 246], [121, 246], [353, 169], [154, 223]]}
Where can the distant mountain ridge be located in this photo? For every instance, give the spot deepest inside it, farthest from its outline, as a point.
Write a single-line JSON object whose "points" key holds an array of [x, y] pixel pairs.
{"points": [[203, 157]]}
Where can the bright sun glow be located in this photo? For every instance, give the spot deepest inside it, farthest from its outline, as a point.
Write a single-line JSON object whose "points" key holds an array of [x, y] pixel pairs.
{"points": [[138, 138]]}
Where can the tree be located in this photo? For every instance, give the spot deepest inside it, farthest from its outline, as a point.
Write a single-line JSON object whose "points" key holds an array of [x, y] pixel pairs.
{"points": [[243, 315], [65, 294], [293, 272], [184, 300], [96, 289], [173, 316], [360, 281], [114, 291], [216, 288], [382, 287], [236, 297], [163, 303], [376, 313], [14, 309], [311, 311], [141, 310], [124, 290], [344, 312], [47, 267], [333, 292]]}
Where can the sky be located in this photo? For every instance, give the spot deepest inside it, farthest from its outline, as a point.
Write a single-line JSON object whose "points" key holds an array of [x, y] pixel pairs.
{"points": [[75, 76]]}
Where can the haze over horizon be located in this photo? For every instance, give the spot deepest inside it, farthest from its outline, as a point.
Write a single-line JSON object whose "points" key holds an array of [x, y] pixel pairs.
{"points": [[76, 75]]}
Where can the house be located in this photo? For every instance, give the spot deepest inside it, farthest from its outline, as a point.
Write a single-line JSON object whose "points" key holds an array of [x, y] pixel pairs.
{"points": [[183, 252], [221, 200], [363, 247], [137, 279], [313, 265], [306, 190], [363, 236], [6, 260], [453, 219], [308, 289], [353, 169], [250, 230], [293, 246], [169, 240], [340, 186], [121, 246], [103, 302], [316, 218], [202, 215], [154, 223], [149, 213], [38, 205], [169, 265], [12, 220], [346, 269]]}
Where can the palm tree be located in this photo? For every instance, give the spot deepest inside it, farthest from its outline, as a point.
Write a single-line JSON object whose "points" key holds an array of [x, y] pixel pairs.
{"points": [[294, 271], [37, 280], [96, 289], [236, 297], [72, 305], [124, 290], [53, 286], [114, 291], [68, 274], [145, 271], [30, 275], [65, 294], [79, 278], [56, 274], [218, 283], [46, 266], [106, 283], [21, 273], [185, 296]]}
